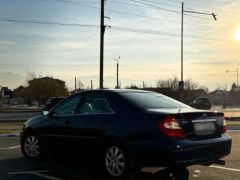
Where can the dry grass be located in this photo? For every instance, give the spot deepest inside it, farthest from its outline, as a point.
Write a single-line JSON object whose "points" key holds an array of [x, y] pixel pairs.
{"points": [[14, 127], [233, 123]]}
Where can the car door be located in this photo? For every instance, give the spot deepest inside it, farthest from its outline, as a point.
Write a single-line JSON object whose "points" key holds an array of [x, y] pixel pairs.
{"points": [[93, 119], [54, 131]]}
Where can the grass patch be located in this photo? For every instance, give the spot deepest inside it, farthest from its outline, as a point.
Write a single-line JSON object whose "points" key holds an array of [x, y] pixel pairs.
{"points": [[233, 123], [6, 128]]}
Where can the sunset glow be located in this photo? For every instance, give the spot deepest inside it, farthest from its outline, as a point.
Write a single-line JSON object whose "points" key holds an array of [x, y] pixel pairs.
{"points": [[237, 34]]}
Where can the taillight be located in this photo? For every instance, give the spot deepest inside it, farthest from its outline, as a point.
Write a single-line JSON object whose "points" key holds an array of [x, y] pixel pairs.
{"points": [[224, 125], [170, 127]]}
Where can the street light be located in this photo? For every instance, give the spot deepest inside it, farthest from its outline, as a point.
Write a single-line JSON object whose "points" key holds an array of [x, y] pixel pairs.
{"points": [[117, 87], [227, 71], [181, 83]]}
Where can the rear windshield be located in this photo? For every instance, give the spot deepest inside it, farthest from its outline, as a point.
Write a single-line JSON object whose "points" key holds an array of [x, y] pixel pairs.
{"points": [[152, 100]]}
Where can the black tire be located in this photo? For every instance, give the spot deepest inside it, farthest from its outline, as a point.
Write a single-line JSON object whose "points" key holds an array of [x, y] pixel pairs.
{"points": [[31, 147], [177, 173], [116, 162]]}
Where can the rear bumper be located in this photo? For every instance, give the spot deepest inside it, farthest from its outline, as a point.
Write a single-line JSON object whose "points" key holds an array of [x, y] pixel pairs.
{"points": [[171, 152]]}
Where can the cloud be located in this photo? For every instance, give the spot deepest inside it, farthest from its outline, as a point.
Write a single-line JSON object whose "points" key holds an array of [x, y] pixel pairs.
{"points": [[10, 79], [7, 43]]}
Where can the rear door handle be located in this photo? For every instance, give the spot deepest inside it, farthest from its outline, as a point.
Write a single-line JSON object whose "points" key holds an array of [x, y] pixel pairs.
{"points": [[105, 121]]}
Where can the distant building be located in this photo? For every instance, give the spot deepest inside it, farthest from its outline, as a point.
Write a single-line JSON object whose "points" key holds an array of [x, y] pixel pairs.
{"points": [[219, 97]]}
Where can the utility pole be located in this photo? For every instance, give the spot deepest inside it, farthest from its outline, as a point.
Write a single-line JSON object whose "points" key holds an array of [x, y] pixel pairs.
{"points": [[227, 71], [75, 84], [102, 31], [181, 83], [91, 85], [117, 87], [182, 45]]}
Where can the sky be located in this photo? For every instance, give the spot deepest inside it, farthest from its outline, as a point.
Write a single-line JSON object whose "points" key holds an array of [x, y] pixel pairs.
{"points": [[145, 34]]}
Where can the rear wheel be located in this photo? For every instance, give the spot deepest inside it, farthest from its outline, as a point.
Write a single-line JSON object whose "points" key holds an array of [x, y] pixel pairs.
{"points": [[116, 162], [177, 173], [31, 148]]}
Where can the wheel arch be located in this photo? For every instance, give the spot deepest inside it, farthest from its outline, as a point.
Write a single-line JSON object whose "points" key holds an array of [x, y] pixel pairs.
{"points": [[112, 139]]}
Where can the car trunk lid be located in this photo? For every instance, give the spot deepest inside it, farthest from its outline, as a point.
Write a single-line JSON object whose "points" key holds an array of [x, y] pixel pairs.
{"points": [[197, 124]]}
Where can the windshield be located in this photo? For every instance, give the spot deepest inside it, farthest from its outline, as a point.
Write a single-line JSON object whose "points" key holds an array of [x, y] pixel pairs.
{"points": [[153, 100]]}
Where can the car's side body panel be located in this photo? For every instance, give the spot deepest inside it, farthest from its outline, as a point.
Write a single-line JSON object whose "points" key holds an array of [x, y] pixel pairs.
{"points": [[137, 130]]}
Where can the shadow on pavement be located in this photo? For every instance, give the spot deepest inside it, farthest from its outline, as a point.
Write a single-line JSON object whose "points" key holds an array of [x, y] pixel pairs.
{"points": [[77, 169]]}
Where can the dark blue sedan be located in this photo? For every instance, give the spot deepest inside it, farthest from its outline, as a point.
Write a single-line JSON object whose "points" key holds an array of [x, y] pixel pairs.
{"points": [[128, 129]]}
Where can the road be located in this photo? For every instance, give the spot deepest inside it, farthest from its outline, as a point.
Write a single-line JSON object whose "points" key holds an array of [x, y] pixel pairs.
{"points": [[14, 167], [17, 116]]}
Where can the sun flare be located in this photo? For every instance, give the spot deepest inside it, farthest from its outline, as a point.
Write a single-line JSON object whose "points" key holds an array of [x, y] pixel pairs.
{"points": [[237, 34]]}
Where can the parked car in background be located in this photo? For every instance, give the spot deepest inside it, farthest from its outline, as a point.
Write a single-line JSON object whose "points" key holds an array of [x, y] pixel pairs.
{"points": [[126, 129], [202, 103], [52, 102]]}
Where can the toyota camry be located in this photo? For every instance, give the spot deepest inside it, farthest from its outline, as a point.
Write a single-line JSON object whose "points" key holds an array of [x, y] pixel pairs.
{"points": [[127, 129]]}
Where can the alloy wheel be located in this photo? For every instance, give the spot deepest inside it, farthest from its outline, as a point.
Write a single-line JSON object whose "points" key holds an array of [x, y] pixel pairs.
{"points": [[115, 161], [31, 146]]}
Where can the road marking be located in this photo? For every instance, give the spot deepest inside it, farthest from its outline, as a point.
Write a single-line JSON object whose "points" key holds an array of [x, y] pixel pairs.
{"points": [[28, 172], [233, 130], [36, 173], [225, 168], [12, 147], [197, 173], [46, 176]]}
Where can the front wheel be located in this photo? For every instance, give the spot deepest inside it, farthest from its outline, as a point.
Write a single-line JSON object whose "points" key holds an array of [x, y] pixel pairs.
{"points": [[30, 147]]}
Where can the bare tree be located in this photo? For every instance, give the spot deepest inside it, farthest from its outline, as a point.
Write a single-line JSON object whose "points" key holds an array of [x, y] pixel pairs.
{"points": [[190, 85], [172, 83]]}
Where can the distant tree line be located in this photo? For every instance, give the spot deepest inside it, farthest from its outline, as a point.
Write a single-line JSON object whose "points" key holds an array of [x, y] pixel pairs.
{"points": [[41, 89], [172, 83]]}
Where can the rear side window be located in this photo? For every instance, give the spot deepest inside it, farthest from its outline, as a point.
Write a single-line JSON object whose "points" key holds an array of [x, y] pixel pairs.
{"points": [[95, 103], [152, 100]]}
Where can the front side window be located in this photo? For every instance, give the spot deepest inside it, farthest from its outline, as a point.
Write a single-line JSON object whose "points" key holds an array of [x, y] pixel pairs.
{"points": [[68, 106], [95, 103]]}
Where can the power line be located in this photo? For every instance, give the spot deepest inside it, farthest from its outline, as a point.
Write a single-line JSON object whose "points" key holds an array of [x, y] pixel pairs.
{"points": [[157, 18], [46, 22], [85, 2], [222, 11], [125, 3], [125, 13], [138, 5], [157, 7], [161, 3], [112, 27], [116, 11], [161, 33]]}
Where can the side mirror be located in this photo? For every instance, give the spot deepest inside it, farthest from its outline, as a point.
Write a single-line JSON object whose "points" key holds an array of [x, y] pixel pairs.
{"points": [[45, 113]]}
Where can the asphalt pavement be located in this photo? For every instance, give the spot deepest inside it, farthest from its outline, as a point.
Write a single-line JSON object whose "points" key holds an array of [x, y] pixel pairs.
{"points": [[13, 166], [17, 116]]}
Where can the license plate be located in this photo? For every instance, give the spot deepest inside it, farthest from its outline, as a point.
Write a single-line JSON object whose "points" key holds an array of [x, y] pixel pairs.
{"points": [[204, 128]]}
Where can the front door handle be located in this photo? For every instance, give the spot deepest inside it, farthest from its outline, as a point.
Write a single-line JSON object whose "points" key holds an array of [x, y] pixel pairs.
{"points": [[67, 122]]}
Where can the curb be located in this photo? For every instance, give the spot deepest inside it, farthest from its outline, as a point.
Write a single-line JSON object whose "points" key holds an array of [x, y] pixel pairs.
{"points": [[232, 118], [12, 120], [10, 135]]}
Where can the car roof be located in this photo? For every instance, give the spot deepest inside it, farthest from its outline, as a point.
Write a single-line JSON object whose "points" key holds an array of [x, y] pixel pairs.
{"points": [[118, 91]]}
